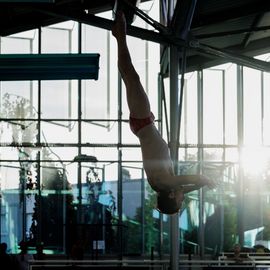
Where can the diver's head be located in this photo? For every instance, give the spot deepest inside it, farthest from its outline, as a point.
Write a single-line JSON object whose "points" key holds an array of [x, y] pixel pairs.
{"points": [[170, 202]]}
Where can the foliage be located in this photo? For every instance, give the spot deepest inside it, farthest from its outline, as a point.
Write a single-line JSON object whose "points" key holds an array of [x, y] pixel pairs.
{"points": [[18, 109], [151, 231], [54, 209], [48, 217], [230, 226]]}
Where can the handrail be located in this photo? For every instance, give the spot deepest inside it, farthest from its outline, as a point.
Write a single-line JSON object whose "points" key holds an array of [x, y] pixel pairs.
{"points": [[251, 263]]}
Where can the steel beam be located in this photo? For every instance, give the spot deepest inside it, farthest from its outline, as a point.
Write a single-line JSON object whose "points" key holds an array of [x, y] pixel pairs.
{"points": [[182, 17], [162, 38], [174, 122]]}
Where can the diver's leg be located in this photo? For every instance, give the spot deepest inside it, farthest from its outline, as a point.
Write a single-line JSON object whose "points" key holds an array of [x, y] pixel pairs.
{"points": [[137, 99]]}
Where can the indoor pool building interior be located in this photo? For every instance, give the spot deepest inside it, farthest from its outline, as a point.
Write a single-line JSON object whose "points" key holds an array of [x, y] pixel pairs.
{"points": [[71, 170]]}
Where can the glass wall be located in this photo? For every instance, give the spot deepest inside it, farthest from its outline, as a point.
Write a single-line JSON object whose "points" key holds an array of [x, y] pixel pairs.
{"points": [[49, 193], [231, 148], [52, 193]]}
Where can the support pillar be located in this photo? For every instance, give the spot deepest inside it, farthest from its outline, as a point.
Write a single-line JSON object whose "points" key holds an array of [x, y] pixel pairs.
{"points": [[174, 122], [240, 126]]}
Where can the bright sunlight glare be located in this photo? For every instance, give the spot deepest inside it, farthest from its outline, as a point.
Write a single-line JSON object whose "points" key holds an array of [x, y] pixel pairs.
{"points": [[254, 160]]}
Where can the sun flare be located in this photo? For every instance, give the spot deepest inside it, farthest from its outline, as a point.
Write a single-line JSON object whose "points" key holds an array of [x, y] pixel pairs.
{"points": [[254, 160]]}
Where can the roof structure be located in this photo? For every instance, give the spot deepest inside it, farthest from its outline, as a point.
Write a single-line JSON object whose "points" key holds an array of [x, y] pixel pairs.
{"points": [[214, 32]]}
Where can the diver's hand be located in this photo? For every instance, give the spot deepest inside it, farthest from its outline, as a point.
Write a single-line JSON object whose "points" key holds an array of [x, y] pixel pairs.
{"points": [[119, 26], [205, 181]]}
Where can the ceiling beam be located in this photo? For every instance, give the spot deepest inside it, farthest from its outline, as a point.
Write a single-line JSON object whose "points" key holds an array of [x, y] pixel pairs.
{"points": [[232, 32], [164, 38], [200, 60], [248, 36], [182, 17], [203, 18], [27, 1], [233, 57]]}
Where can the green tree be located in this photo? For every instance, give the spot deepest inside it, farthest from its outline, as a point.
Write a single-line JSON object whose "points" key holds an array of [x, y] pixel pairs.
{"points": [[151, 230]]}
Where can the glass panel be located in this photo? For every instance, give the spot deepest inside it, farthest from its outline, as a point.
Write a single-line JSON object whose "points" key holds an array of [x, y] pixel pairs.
{"points": [[213, 154], [189, 121], [59, 99], [104, 154], [17, 181], [132, 207], [256, 189], [151, 222], [165, 121], [17, 103], [96, 100], [151, 62], [57, 198], [220, 208], [18, 131], [100, 132], [252, 107], [255, 160], [256, 209], [132, 154], [62, 156], [10, 45], [212, 106], [17, 94], [98, 209], [55, 40], [231, 154], [18, 153], [189, 222], [266, 107], [192, 154], [230, 105], [59, 132]]}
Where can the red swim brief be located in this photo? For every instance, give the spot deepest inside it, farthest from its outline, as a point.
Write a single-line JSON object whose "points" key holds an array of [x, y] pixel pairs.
{"points": [[136, 123]]}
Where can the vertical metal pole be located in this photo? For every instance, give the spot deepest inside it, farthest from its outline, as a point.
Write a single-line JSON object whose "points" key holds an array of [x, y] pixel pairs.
{"points": [[79, 130], [39, 200], [146, 62], [174, 111], [143, 182], [39, 184], [64, 208], [262, 143], [108, 75], [143, 213], [262, 107], [120, 175], [70, 82], [240, 125], [200, 160], [223, 160], [31, 82], [64, 201], [39, 88], [23, 205], [160, 128], [223, 114], [104, 227]]}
